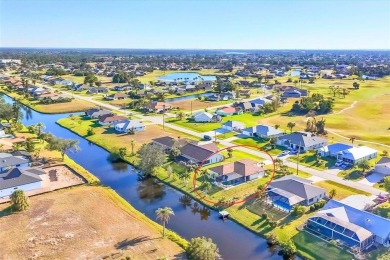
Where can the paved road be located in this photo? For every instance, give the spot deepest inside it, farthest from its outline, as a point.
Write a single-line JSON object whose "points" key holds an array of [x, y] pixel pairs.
{"points": [[159, 120]]}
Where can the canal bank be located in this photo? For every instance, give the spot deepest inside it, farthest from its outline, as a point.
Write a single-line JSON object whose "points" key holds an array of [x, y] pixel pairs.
{"points": [[190, 220]]}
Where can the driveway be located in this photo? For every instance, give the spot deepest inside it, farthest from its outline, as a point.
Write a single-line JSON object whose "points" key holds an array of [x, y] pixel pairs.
{"points": [[373, 178]]}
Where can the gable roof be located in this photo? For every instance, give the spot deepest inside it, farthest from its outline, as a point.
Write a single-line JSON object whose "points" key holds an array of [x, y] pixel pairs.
{"points": [[297, 186], [199, 153], [267, 130], [172, 142], [128, 124], [376, 224], [243, 167], [228, 109], [111, 118], [303, 139], [335, 148], [17, 177], [208, 115], [12, 161]]}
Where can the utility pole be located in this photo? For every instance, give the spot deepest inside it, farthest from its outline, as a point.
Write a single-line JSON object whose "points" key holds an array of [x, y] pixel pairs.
{"points": [[163, 117], [299, 149]]}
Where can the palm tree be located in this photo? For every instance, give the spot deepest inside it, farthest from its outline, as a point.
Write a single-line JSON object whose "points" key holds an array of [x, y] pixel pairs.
{"points": [[291, 125], [352, 139], [332, 193], [230, 152], [180, 115], [206, 187], [40, 127], [164, 214], [132, 144]]}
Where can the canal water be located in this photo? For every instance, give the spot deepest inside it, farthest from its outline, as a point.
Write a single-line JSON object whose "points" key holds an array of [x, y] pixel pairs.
{"points": [[190, 220]]}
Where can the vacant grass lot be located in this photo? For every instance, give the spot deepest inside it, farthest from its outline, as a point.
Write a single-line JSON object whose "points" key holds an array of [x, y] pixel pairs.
{"points": [[314, 248], [309, 159], [75, 105], [260, 142], [83, 221], [342, 191]]}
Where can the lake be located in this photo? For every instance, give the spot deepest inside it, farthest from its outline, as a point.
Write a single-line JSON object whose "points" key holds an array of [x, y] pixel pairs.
{"points": [[185, 76], [190, 219]]}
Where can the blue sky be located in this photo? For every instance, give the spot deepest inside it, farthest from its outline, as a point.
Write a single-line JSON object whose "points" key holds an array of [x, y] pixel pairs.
{"points": [[213, 24]]}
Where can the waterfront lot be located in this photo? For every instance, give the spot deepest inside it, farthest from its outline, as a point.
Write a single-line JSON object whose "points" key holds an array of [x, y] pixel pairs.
{"points": [[80, 222]]}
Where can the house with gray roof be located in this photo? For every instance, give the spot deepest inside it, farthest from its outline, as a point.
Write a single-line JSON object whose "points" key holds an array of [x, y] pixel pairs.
{"points": [[193, 153], [302, 140], [233, 125], [19, 179], [8, 162], [128, 125], [291, 190], [96, 113], [263, 131], [168, 143], [355, 228]]}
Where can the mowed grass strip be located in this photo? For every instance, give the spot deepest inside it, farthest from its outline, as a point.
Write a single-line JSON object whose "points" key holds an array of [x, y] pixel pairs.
{"points": [[342, 191]]}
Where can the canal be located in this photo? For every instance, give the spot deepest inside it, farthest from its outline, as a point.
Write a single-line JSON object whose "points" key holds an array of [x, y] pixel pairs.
{"points": [[190, 220]]}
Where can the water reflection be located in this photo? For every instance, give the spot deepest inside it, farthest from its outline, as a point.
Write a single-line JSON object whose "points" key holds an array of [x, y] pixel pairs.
{"points": [[150, 190], [120, 167], [185, 200], [204, 213]]}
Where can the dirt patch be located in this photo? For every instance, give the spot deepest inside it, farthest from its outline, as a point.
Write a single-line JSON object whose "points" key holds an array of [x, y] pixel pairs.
{"points": [[79, 223], [55, 177], [196, 104]]}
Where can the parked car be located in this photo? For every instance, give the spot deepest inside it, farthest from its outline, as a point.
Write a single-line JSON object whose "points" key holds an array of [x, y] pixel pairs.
{"points": [[207, 138]]}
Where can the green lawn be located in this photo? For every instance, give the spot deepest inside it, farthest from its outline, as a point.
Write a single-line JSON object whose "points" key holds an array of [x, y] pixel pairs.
{"points": [[313, 247], [226, 135], [342, 191], [310, 159], [260, 142]]}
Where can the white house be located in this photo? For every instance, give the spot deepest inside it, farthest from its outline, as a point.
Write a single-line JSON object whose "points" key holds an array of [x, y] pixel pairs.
{"points": [[383, 166], [202, 117], [127, 125], [262, 131], [18, 179], [333, 150], [233, 126], [355, 155]]}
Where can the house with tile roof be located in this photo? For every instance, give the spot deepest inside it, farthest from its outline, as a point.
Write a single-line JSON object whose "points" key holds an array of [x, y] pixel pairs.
{"points": [[288, 191], [355, 228], [237, 172], [111, 119]]}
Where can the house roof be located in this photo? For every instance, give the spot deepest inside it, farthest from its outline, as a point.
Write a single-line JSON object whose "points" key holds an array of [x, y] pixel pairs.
{"points": [[228, 109], [199, 153], [118, 95], [172, 142], [12, 161], [128, 124], [361, 233], [356, 153], [243, 167], [111, 118], [267, 130], [335, 148], [233, 124], [378, 225], [297, 186], [17, 177], [203, 114], [303, 139], [358, 201]]}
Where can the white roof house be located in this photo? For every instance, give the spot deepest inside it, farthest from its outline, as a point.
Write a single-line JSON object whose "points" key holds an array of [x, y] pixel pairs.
{"points": [[202, 117], [126, 126], [262, 131], [358, 201], [357, 154], [233, 125]]}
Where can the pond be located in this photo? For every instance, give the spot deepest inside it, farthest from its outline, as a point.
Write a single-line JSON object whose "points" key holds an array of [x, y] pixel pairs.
{"points": [[190, 220], [185, 76], [188, 97]]}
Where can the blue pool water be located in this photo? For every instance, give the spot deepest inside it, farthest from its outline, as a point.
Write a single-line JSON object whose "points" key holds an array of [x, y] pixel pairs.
{"points": [[185, 76]]}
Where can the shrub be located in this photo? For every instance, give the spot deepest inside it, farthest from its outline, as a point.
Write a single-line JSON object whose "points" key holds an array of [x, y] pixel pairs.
{"points": [[264, 216], [288, 248], [90, 131], [273, 224], [298, 210]]}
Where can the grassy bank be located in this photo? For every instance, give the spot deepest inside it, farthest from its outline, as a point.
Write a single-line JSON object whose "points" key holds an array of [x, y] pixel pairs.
{"points": [[73, 106]]}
